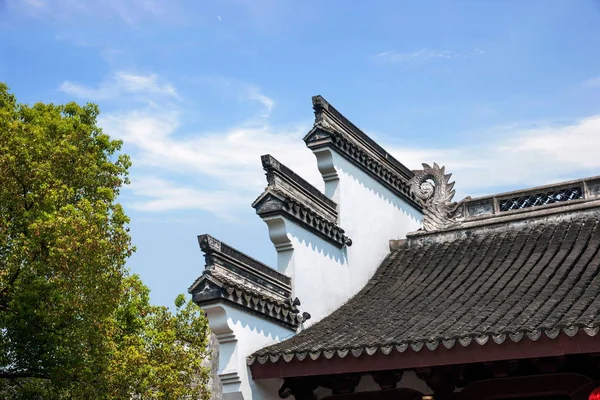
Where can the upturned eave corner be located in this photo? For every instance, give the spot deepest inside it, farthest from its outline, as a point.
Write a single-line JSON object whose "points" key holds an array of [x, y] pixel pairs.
{"points": [[332, 129]]}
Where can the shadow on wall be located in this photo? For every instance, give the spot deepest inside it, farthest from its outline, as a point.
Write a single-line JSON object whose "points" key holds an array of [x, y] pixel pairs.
{"points": [[249, 325], [368, 183], [333, 253]]}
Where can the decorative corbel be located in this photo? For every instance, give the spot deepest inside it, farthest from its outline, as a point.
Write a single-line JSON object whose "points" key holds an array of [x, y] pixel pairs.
{"points": [[341, 384], [387, 379], [300, 388], [442, 380]]}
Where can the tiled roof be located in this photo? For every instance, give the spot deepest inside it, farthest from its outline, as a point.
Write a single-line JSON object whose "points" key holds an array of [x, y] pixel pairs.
{"points": [[513, 281], [241, 281], [289, 195]]}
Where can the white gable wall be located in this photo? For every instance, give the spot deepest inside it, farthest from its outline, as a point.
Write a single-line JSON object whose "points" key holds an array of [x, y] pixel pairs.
{"points": [[368, 211], [240, 334], [324, 276], [319, 270]]}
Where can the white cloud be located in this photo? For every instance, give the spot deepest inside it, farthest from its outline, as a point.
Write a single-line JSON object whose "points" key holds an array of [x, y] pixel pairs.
{"points": [[517, 157], [220, 171], [224, 162], [36, 3], [122, 83], [242, 91], [156, 194], [593, 83], [395, 57]]}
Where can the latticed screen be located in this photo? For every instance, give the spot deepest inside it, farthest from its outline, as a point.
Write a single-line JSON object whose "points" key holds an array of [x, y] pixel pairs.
{"points": [[541, 199]]}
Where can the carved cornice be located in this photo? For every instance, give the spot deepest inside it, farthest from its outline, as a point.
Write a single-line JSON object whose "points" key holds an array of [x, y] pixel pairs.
{"points": [[280, 176], [244, 282], [216, 248], [291, 196], [273, 202], [212, 287], [331, 128]]}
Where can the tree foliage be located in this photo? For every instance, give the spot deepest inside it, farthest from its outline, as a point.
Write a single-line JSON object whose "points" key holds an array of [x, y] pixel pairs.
{"points": [[73, 322]]}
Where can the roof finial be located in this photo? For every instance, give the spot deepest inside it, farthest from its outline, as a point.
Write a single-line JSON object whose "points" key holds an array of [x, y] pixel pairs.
{"points": [[433, 187]]}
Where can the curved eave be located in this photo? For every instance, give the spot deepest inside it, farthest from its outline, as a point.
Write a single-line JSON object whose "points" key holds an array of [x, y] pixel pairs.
{"points": [[473, 350]]}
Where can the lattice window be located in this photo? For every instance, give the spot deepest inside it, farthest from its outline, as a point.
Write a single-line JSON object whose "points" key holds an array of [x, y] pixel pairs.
{"points": [[541, 199]]}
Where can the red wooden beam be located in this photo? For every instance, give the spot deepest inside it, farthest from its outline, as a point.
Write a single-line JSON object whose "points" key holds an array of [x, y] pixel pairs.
{"points": [[474, 353]]}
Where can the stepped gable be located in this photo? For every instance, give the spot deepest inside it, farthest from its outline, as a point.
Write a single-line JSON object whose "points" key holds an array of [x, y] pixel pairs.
{"points": [[289, 195], [528, 268], [244, 282], [331, 128]]}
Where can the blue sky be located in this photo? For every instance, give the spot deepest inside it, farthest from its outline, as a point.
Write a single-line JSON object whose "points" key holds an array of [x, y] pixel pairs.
{"points": [[505, 93]]}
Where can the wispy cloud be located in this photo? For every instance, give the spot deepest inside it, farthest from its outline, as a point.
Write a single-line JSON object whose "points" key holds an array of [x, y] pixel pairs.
{"points": [[36, 3], [593, 83], [220, 172], [221, 168], [517, 157], [233, 88], [395, 57], [122, 83], [157, 194]]}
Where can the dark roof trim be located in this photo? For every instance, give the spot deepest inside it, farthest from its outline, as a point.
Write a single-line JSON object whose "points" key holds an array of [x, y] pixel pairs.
{"points": [[544, 346], [321, 106], [210, 289], [210, 246], [272, 202], [525, 214], [289, 195], [240, 280], [275, 168], [331, 128]]}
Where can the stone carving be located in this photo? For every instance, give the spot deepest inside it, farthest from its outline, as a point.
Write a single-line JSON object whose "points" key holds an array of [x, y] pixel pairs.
{"points": [[433, 187]]}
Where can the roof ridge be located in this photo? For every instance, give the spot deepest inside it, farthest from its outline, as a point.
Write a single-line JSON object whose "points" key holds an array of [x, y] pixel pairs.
{"points": [[568, 210], [331, 128], [288, 194], [272, 166]]}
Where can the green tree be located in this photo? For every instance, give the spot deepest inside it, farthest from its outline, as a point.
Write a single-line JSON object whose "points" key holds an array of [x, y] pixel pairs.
{"points": [[73, 322]]}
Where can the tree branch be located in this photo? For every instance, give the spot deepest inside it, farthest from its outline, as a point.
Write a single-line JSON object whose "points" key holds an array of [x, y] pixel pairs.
{"points": [[23, 374]]}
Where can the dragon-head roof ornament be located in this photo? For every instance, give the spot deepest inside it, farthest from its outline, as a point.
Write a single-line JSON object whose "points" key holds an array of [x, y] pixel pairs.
{"points": [[433, 187]]}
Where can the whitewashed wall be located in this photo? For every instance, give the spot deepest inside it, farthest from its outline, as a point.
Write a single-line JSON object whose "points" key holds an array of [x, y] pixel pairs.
{"points": [[369, 212], [240, 334], [319, 270], [323, 276]]}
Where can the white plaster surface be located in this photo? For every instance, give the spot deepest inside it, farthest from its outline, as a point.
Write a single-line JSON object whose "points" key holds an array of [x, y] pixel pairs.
{"points": [[370, 214], [240, 334], [319, 271], [323, 276]]}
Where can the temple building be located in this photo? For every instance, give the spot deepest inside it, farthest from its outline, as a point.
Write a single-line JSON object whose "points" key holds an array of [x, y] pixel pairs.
{"points": [[385, 288]]}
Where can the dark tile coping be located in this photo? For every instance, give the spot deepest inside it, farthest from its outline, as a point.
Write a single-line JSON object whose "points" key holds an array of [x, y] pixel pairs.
{"points": [[209, 244]]}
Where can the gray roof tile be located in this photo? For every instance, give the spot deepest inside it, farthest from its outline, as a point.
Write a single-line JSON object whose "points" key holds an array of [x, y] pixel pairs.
{"points": [[512, 280]]}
